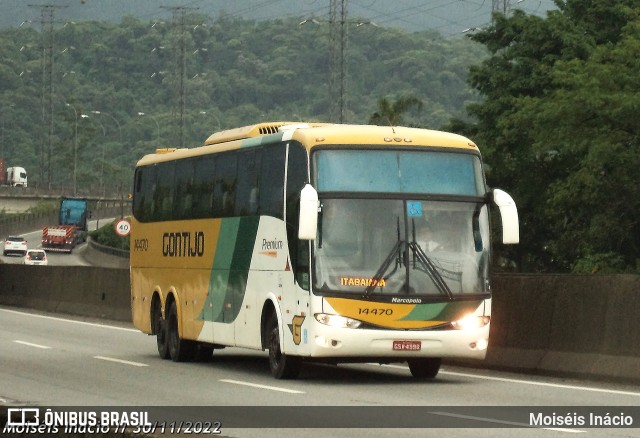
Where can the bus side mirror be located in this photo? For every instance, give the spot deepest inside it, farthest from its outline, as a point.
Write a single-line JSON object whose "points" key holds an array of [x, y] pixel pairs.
{"points": [[308, 224], [509, 216]]}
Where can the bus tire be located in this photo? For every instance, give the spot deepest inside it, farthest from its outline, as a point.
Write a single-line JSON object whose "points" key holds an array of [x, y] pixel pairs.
{"points": [[281, 365], [426, 368], [160, 330], [180, 350]]}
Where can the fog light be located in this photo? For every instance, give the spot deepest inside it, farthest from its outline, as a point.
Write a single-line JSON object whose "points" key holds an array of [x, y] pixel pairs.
{"points": [[480, 345], [321, 341]]}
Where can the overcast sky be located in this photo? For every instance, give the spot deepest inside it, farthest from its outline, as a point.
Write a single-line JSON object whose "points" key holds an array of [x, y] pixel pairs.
{"points": [[449, 17]]}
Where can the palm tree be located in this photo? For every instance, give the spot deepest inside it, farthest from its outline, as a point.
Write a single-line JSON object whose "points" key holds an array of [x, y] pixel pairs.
{"points": [[390, 114]]}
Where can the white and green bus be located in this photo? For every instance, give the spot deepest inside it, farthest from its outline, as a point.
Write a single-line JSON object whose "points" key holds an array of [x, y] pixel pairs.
{"points": [[317, 242]]}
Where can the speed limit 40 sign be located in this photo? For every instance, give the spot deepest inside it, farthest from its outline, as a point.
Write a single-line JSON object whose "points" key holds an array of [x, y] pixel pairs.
{"points": [[123, 227]]}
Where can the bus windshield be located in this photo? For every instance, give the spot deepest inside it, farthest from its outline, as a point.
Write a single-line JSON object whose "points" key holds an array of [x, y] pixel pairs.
{"points": [[398, 171], [402, 248], [420, 227]]}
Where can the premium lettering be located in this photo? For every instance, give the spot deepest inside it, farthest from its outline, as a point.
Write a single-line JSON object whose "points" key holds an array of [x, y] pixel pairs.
{"points": [[271, 244], [183, 244]]}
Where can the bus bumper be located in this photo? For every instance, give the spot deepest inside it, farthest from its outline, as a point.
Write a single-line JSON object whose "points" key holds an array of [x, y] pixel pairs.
{"points": [[398, 345]]}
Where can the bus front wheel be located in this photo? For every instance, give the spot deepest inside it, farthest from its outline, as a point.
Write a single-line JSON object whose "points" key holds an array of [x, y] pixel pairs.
{"points": [[281, 365], [180, 350], [426, 368]]}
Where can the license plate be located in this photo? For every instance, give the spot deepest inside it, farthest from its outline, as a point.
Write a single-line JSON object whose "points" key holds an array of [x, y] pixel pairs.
{"points": [[407, 345]]}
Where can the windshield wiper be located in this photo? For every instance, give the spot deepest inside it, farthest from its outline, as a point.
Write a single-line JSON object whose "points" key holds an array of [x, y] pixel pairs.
{"points": [[430, 269], [379, 275]]}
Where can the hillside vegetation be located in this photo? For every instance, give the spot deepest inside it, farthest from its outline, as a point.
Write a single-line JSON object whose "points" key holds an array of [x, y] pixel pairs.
{"points": [[552, 103], [213, 74]]}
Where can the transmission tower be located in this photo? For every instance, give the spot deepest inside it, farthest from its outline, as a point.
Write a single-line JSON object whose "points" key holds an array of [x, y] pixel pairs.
{"points": [[180, 21], [337, 58], [502, 6], [47, 13]]}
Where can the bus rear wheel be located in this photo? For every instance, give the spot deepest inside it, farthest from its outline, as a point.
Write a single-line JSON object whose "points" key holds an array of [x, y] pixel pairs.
{"points": [[426, 368], [160, 330], [180, 350], [281, 365]]}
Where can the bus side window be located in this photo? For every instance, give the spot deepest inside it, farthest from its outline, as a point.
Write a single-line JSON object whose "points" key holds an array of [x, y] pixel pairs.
{"points": [[144, 193], [203, 187], [164, 194], [271, 188], [247, 187], [184, 187], [226, 184], [138, 194]]}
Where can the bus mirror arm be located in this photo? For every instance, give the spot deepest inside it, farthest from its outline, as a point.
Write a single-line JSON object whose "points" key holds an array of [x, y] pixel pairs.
{"points": [[308, 222], [508, 214]]}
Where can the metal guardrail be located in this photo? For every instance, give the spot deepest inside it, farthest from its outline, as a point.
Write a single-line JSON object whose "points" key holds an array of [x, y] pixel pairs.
{"points": [[123, 253], [49, 192]]}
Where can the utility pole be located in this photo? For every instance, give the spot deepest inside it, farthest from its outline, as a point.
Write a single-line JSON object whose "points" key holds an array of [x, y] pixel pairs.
{"points": [[179, 19], [47, 13], [337, 58]]}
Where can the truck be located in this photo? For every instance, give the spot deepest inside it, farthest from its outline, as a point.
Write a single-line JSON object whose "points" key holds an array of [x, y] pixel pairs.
{"points": [[12, 176], [72, 226], [16, 177]]}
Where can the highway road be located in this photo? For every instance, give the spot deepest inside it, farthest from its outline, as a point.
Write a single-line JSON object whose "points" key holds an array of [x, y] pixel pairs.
{"points": [[34, 240], [53, 360]]}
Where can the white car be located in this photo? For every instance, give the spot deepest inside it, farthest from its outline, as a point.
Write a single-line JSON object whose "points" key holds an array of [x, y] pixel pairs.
{"points": [[15, 245], [35, 257]]}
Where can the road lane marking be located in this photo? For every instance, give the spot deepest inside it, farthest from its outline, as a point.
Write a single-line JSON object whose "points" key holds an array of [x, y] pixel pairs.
{"points": [[510, 423], [553, 385], [529, 382], [126, 362], [29, 344], [255, 385], [92, 324]]}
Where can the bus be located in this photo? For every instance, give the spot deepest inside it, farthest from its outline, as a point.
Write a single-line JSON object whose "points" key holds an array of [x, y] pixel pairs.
{"points": [[309, 241]]}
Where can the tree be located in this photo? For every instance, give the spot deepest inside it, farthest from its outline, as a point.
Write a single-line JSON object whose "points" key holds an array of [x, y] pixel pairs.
{"points": [[390, 114], [588, 129], [555, 121]]}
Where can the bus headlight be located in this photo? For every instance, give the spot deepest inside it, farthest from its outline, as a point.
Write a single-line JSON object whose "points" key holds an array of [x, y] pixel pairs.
{"points": [[471, 322], [337, 321]]}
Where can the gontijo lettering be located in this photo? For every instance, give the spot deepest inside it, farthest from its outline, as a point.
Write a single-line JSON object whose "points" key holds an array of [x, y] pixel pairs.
{"points": [[183, 244]]}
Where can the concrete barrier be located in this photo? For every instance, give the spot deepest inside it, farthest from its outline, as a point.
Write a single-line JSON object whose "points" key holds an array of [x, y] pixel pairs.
{"points": [[570, 324], [75, 290], [578, 325]]}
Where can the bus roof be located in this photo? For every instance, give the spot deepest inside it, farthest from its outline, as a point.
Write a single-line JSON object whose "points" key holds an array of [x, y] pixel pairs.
{"points": [[393, 136], [314, 134]]}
